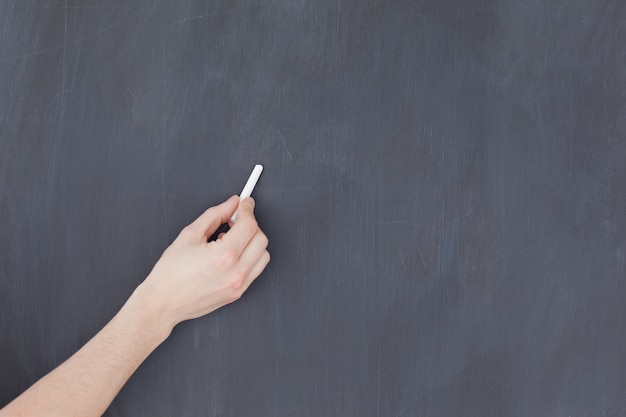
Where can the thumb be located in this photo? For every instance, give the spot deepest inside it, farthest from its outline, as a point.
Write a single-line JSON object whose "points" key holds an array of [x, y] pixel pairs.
{"points": [[246, 205]]}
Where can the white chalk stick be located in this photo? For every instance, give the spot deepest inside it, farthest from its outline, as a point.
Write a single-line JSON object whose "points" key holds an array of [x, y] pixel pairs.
{"points": [[247, 189]]}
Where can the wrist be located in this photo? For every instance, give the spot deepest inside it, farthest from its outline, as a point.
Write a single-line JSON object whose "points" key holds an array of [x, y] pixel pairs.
{"points": [[150, 317]]}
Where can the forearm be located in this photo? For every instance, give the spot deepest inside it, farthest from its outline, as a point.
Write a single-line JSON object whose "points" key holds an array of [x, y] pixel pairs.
{"points": [[88, 381]]}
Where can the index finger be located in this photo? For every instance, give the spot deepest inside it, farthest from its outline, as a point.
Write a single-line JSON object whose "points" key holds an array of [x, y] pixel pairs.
{"points": [[244, 228], [209, 221]]}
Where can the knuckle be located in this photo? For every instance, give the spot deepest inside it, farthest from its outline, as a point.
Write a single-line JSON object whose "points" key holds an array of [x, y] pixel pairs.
{"points": [[237, 281], [264, 240], [236, 287], [228, 258], [235, 295], [188, 231]]}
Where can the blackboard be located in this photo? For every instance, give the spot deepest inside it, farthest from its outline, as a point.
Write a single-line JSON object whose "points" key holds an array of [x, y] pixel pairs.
{"points": [[444, 193]]}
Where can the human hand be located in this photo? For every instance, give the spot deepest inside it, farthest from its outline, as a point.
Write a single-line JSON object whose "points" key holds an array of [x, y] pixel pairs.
{"points": [[194, 277]]}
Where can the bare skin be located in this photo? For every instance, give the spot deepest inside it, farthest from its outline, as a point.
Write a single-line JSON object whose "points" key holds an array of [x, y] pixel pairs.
{"points": [[192, 278]]}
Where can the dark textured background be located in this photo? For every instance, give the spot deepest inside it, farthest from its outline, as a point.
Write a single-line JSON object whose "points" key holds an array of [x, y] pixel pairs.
{"points": [[444, 193]]}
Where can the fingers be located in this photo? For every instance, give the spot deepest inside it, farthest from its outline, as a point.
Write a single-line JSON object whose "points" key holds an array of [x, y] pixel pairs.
{"points": [[257, 268], [254, 256], [260, 265], [254, 251], [208, 222], [244, 229]]}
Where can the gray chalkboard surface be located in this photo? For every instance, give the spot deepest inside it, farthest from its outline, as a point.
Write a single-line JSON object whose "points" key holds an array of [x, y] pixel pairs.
{"points": [[444, 193]]}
